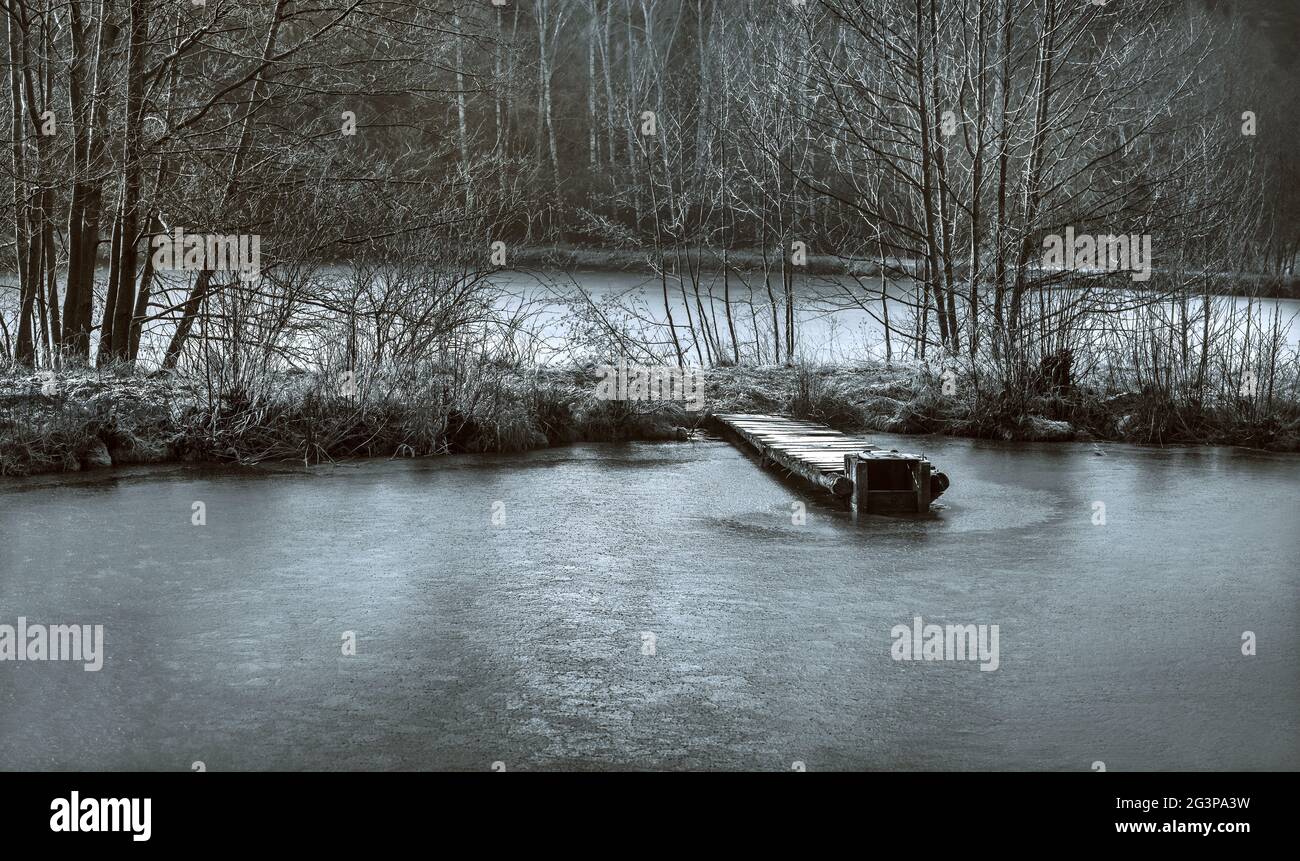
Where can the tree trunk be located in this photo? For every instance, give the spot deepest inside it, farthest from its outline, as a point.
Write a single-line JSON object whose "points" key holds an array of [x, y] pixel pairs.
{"points": [[124, 306], [24, 349], [200, 289]]}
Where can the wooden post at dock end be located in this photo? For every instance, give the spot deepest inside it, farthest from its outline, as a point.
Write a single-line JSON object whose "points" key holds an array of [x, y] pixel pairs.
{"points": [[855, 467], [922, 473]]}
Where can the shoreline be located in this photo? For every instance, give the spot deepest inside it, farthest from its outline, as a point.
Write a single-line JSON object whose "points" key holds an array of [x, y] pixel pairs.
{"points": [[572, 259], [91, 421], [579, 258]]}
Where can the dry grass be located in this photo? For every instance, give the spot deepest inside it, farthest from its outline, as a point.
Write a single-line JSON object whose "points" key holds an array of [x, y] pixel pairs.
{"points": [[59, 425]]}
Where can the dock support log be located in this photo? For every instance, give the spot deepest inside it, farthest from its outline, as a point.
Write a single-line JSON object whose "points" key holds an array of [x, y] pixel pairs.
{"points": [[837, 485]]}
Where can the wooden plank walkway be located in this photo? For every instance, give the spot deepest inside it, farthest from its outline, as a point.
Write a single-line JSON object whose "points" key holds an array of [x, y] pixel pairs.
{"points": [[811, 451]]}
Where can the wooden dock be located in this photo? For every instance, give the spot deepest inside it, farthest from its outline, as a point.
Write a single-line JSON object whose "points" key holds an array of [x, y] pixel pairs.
{"points": [[849, 466], [811, 451]]}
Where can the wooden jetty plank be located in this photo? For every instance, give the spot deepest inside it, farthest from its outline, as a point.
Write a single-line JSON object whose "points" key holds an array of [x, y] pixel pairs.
{"points": [[803, 446], [819, 445]]}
